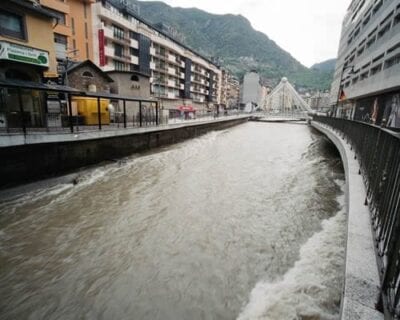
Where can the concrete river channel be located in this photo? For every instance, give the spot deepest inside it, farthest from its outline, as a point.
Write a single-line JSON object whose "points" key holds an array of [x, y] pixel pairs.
{"points": [[244, 223]]}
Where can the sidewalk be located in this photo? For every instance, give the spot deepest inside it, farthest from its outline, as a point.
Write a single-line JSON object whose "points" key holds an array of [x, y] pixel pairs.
{"points": [[89, 133]]}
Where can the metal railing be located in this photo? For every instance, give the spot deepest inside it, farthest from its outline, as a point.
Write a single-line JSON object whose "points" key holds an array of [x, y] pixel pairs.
{"points": [[378, 153], [26, 110]]}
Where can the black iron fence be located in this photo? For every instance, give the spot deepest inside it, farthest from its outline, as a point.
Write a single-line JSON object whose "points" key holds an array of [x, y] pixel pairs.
{"points": [[35, 108], [378, 152]]}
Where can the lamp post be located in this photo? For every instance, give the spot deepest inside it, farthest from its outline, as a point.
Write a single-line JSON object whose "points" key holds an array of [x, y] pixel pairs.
{"points": [[66, 83], [340, 83]]}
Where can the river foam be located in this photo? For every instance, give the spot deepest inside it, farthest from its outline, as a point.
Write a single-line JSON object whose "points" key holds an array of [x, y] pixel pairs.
{"points": [[310, 290]]}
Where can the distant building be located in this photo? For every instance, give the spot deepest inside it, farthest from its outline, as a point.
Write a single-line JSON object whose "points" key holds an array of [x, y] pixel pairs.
{"points": [[233, 93], [251, 89], [230, 90], [366, 83], [318, 101]]}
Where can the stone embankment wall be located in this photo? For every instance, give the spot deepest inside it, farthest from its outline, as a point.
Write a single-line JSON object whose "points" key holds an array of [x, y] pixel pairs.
{"points": [[20, 164]]}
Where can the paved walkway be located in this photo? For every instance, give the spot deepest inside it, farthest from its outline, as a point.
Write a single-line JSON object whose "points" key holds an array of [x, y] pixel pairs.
{"points": [[88, 133]]}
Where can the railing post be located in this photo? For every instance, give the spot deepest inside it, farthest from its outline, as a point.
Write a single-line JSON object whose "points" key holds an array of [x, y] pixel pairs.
{"points": [[124, 103], [21, 110], [140, 114], [99, 112], [157, 122], [71, 125]]}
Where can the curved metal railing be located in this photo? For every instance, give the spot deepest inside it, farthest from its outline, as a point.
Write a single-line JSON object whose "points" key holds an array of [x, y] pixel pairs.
{"points": [[378, 152]]}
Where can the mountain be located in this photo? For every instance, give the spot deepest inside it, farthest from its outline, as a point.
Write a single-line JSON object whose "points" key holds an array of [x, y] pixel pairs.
{"points": [[233, 40], [328, 65]]}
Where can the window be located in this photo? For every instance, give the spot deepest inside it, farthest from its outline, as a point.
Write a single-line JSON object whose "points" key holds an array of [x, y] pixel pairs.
{"points": [[133, 35], [118, 32], [84, 10], [73, 26], [86, 30], [119, 66], [135, 78], [395, 47], [396, 19], [87, 50], [12, 25], [376, 69], [59, 38], [133, 67], [134, 52], [60, 15], [87, 74], [364, 76], [382, 32], [118, 50], [392, 61]]}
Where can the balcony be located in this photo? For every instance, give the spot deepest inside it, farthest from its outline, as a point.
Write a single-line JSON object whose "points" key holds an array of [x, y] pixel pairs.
{"points": [[108, 67], [134, 44], [160, 68], [171, 71], [108, 33], [182, 75], [109, 51], [134, 60], [152, 66], [172, 58], [171, 95], [114, 17], [153, 51], [171, 83]]}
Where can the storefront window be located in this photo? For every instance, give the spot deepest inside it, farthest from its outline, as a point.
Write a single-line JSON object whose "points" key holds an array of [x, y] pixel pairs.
{"points": [[391, 117], [33, 112]]}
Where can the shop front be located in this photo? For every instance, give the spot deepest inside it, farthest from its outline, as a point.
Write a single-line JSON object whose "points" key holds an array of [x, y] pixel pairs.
{"points": [[22, 63]]}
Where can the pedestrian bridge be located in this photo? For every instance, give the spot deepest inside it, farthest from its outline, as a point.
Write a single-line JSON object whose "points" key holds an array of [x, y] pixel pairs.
{"points": [[284, 101]]}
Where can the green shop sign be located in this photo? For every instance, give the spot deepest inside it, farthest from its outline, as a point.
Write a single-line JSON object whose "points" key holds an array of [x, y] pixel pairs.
{"points": [[19, 53]]}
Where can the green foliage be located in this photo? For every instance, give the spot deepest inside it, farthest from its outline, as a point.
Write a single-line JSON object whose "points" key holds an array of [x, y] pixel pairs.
{"points": [[232, 39]]}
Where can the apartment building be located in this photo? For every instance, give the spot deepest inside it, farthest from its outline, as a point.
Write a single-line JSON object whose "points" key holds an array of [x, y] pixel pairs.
{"points": [[230, 90], [123, 41], [233, 93], [73, 30], [366, 83]]}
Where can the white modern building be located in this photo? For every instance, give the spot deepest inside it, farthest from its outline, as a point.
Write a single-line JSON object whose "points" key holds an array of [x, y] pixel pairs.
{"points": [[251, 89], [367, 77]]}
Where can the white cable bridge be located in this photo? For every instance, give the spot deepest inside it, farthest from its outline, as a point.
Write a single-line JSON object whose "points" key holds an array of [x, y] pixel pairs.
{"points": [[285, 103]]}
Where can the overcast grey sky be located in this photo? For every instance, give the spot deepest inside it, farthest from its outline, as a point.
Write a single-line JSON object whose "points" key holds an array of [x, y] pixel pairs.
{"points": [[308, 29]]}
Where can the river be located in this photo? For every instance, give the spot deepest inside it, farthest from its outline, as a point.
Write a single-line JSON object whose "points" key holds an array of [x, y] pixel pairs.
{"points": [[243, 223]]}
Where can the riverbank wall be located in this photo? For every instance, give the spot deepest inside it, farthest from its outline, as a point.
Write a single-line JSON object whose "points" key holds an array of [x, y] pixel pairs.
{"points": [[30, 158]]}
